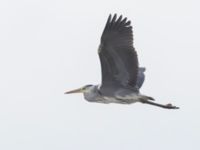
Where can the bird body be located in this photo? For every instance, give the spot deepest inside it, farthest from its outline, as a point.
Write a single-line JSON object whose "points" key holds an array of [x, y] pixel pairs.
{"points": [[122, 77], [93, 94], [119, 95]]}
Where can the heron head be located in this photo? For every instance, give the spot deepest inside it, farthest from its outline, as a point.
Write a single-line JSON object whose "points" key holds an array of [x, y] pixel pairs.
{"points": [[83, 89]]}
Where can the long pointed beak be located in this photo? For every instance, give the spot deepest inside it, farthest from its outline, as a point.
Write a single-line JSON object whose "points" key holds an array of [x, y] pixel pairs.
{"points": [[74, 91]]}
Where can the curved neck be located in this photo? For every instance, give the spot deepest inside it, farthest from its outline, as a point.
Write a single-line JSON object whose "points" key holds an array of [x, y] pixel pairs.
{"points": [[92, 93]]}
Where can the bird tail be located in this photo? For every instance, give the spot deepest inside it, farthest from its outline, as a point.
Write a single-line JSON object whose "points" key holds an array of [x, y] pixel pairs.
{"points": [[145, 98]]}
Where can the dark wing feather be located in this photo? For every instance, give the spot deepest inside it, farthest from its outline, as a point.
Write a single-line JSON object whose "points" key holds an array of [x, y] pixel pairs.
{"points": [[119, 63], [140, 77]]}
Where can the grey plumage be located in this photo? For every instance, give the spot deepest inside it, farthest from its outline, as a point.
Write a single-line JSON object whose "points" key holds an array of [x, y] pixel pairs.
{"points": [[122, 77], [140, 77]]}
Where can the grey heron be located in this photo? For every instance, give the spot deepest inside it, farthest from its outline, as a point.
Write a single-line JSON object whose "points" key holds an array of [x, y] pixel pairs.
{"points": [[122, 77]]}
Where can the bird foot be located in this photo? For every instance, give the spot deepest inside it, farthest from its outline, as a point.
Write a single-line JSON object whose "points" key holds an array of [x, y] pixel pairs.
{"points": [[170, 106]]}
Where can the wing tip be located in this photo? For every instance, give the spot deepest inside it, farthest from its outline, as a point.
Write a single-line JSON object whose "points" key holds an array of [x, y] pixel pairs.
{"points": [[114, 21]]}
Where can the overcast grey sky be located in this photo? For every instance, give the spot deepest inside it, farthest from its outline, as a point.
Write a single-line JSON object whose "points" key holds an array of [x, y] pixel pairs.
{"points": [[48, 47]]}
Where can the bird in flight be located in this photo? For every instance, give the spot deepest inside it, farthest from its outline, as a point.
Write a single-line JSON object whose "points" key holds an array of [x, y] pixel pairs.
{"points": [[122, 77]]}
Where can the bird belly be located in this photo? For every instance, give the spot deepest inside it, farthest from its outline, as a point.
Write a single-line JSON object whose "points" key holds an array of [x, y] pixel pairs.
{"points": [[129, 99], [108, 100]]}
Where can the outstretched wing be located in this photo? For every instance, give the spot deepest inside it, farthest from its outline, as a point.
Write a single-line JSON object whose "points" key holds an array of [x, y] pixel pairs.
{"points": [[119, 63]]}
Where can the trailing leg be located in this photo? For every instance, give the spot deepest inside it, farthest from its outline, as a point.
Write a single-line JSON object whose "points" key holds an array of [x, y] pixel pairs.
{"points": [[167, 106]]}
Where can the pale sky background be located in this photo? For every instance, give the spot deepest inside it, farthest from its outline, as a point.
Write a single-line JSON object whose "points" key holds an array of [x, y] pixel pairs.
{"points": [[50, 46]]}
